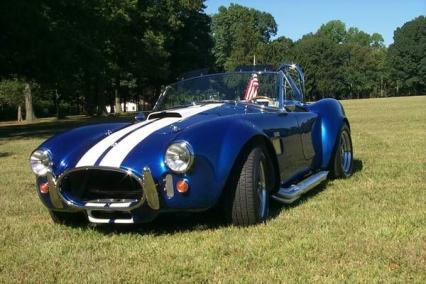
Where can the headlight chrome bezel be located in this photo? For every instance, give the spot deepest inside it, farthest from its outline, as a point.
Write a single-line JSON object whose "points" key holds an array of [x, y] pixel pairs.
{"points": [[183, 146], [41, 162]]}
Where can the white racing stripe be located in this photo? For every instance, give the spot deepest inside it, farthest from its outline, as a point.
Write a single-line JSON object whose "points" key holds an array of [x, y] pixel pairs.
{"points": [[91, 156], [118, 153]]}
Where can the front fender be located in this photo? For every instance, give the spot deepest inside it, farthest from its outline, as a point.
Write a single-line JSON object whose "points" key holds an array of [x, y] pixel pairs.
{"points": [[67, 147], [217, 145]]}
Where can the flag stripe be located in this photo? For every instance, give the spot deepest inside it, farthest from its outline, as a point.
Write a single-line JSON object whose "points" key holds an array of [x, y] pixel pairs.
{"points": [[251, 90]]}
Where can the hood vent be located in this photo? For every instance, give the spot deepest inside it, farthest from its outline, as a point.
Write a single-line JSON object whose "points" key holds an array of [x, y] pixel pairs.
{"points": [[163, 114]]}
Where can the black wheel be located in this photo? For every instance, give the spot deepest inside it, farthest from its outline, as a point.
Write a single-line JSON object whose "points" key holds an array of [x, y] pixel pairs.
{"points": [[250, 203], [67, 218], [342, 163]]}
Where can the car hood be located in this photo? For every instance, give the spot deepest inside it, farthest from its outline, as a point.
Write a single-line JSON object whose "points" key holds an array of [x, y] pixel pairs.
{"points": [[134, 146]]}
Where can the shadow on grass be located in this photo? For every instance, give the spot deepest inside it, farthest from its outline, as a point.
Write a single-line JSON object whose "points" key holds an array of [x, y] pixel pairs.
{"points": [[171, 223], [44, 129], [4, 154], [168, 223], [277, 207], [358, 165]]}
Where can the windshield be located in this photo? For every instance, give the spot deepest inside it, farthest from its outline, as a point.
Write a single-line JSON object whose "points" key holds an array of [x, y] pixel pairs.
{"points": [[258, 87]]}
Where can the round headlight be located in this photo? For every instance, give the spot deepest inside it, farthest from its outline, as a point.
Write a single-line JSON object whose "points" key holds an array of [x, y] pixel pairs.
{"points": [[41, 162], [179, 157]]}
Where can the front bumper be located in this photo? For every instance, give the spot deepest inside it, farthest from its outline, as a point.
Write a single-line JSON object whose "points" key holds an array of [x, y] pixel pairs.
{"points": [[138, 210]]}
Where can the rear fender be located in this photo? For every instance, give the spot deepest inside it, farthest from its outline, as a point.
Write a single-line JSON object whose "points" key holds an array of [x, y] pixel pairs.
{"points": [[331, 117]]}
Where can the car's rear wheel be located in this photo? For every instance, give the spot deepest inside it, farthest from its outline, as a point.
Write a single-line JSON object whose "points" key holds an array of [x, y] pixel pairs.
{"points": [[342, 163], [250, 202], [67, 218]]}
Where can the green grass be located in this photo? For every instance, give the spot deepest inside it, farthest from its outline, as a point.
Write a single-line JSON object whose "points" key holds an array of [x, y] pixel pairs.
{"points": [[371, 227]]}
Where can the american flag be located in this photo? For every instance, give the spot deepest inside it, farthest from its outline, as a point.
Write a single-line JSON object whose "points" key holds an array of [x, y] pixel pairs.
{"points": [[252, 87]]}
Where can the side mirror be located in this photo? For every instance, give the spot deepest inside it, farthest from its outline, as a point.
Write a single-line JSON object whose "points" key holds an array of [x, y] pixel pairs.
{"points": [[140, 116]]}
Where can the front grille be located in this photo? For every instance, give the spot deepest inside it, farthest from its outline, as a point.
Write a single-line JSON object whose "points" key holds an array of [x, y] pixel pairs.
{"points": [[100, 184]]}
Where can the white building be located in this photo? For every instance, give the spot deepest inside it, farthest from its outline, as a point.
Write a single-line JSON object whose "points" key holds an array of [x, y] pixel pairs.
{"points": [[130, 107]]}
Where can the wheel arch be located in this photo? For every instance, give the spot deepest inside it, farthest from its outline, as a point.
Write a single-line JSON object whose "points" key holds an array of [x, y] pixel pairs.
{"points": [[252, 142], [326, 133], [228, 140]]}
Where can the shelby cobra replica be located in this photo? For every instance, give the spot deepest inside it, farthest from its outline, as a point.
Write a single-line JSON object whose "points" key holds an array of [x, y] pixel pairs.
{"points": [[232, 139]]}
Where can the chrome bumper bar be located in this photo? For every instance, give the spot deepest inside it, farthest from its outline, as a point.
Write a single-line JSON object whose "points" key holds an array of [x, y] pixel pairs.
{"points": [[61, 201]]}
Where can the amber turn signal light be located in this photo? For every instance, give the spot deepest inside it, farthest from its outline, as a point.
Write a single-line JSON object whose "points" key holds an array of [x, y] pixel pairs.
{"points": [[44, 187], [182, 186]]}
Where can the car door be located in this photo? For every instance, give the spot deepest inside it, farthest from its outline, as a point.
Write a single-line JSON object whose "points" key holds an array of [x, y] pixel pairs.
{"points": [[288, 128], [283, 130], [305, 121]]}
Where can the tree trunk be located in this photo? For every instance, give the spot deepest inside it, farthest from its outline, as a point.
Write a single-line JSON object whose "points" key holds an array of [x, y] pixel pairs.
{"points": [[117, 106], [58, 111], [101, 106], [19, 113], [29, 112]]}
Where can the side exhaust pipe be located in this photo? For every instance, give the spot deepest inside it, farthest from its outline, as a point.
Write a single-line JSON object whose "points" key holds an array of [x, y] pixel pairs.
{"points": [[290, 194]]}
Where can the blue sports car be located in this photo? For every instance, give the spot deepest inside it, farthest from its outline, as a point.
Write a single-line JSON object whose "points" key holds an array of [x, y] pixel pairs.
{"points": [[233, 140]]}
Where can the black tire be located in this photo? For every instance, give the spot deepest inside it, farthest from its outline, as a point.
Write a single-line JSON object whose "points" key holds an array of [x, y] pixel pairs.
{"points": [[68, 219], [250, 200], [342, 163]]}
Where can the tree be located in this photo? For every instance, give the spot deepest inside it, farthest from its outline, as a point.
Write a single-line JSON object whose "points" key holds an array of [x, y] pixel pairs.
{"points": [[96, 52], [275, 52], [322, 60], [355, 36], [191, 44], [360, 71], [334, 30], [12, 94], [407, 57], [23, 32], [237, 31], [342, 63]]}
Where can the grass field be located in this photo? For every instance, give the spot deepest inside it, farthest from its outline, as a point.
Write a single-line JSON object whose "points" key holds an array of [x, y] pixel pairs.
{"points": [[369, 228]]}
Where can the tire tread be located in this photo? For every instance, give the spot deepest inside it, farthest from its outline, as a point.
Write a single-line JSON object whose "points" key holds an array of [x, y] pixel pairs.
{"points": [[244, 207]]}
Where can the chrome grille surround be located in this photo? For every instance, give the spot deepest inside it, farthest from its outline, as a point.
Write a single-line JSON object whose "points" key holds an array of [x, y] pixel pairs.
{"points": [[106, 204]]}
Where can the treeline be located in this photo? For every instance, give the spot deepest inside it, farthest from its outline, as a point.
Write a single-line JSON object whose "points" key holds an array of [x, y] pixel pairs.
{"points": [[339, 61], [86, 54], [70, 57]]}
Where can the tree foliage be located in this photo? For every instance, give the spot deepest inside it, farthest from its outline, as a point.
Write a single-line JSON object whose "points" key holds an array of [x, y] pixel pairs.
{"points": [[11, 92], [340, 62], [407, 57], [89, 51], [85, 54], [237, 31]]}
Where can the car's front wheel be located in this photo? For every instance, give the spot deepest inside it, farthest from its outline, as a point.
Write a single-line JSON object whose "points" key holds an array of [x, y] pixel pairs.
{"points": [[67, 218], [250, 203]]}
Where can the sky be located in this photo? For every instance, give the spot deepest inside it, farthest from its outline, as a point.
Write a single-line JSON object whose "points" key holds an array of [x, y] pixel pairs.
{"points": [[296, 18]]}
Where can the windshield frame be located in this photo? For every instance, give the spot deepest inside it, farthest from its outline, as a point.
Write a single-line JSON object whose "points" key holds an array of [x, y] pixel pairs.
{"points": [[281, 79]]}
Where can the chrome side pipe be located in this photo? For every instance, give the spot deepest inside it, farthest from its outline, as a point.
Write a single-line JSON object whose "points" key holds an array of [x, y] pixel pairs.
{"points": [[288, 195]]}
